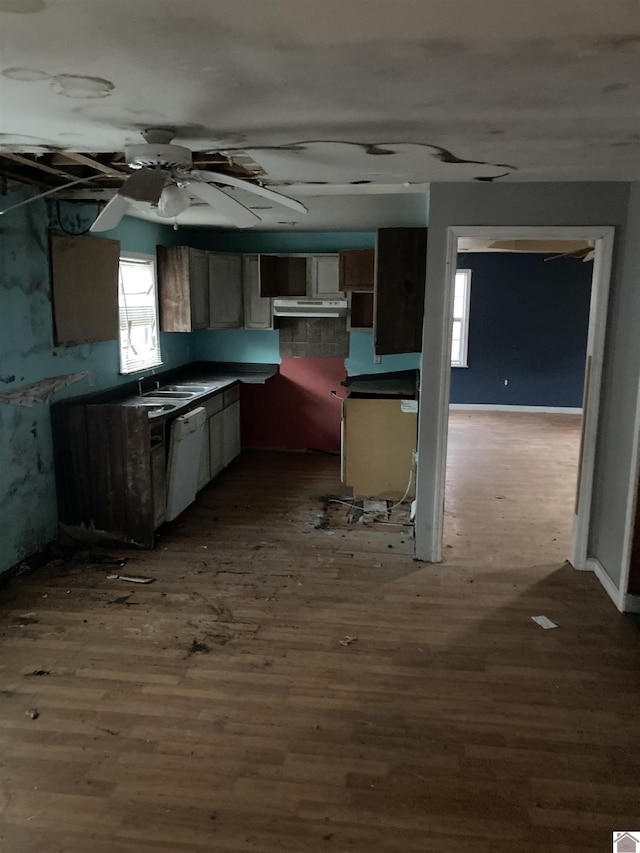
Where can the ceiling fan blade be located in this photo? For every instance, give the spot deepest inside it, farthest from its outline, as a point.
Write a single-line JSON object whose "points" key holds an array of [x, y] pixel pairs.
{"points": [[144, 185], [111, 214], [47, 193], [240, 215], [256, 189]]}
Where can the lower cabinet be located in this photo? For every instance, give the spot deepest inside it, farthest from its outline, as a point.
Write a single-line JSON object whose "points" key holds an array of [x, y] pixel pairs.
{"points": [[111, 465], [158, 482], [379, 439], [221, 442], [231, 432]]}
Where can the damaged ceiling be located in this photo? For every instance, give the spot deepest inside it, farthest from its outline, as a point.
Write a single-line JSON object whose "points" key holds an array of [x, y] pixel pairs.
{"points": [[352, 107]]}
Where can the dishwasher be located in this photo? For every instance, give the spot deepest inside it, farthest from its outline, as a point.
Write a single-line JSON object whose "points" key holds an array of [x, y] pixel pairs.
{"points": [[185, 447]]}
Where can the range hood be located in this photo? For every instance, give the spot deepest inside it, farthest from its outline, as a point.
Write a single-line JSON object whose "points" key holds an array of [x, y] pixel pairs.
{"points": [[309, 307]]}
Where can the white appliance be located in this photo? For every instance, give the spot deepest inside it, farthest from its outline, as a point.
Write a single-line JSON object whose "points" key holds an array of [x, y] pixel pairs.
{"points": [[309, 307], [185, 447]]}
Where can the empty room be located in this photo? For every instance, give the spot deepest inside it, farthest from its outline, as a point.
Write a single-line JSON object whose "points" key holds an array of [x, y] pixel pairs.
{"points": [[319, 494]]}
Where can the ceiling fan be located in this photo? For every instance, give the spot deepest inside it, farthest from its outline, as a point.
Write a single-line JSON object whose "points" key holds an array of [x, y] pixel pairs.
{"points": [[579, 249], [166, 179]]}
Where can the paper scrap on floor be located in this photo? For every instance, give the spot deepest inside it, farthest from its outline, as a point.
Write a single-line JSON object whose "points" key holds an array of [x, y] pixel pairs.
{"points": [[544, 622]]}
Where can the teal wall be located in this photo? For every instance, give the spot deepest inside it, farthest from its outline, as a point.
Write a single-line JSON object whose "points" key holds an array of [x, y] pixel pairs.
{"points": [[28, 515], [264, 347], [361, 357]]}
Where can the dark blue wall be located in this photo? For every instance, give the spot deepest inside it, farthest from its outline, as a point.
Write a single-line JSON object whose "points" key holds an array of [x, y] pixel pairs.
{"points": [[528, 324]]}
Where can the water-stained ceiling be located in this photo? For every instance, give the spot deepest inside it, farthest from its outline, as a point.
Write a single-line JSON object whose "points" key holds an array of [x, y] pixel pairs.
{"points": [[366, 99]]}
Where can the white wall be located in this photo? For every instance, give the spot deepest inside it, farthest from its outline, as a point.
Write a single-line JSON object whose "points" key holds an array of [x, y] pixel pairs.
{"points": [[578, 204]]}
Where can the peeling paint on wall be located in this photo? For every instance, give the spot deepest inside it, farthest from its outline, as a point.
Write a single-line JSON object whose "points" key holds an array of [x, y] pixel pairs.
{"points": [[28, 512], [39, 392]]}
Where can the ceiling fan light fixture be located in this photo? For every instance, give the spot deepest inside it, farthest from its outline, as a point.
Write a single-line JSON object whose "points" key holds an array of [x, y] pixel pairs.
{"points": [[144, 185], [172, 202]]}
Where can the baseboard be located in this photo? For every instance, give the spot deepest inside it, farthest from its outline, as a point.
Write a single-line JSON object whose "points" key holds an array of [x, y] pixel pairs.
{"points": [[631, 603], [491, 407], [612, 590]]}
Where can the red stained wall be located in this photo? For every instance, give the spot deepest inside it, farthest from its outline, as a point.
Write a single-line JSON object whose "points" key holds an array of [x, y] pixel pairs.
{"points": [[295, 410]]}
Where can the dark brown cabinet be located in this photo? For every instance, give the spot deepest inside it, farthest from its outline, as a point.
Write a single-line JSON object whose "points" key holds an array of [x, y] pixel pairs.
{"points": [[361, 312], [357, 270], [104, 472], [183, 287], [401, 263], [282, 276]]}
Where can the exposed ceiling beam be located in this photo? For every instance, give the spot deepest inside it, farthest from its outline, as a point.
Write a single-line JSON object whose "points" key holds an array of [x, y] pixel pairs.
{"points": [[96, 165], [35, 164], [16, 176]]}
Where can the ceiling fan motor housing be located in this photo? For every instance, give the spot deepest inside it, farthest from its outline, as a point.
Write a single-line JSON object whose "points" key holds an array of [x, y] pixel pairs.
{"points": [[158, 156]]}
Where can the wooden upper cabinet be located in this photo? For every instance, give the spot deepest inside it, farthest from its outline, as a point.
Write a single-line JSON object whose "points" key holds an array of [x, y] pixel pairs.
{"points": [[282, 276], [323, 279], [183, 285], [258, 310], [225, 291], [199, 289], [358, 270], [401, 266], [84, 289]]}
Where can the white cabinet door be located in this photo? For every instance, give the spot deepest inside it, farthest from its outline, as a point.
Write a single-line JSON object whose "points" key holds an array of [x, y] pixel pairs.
{"points": [[231, 432], [225, 291], [216, 444], [324, 276], [258, 311], [199, 288]]}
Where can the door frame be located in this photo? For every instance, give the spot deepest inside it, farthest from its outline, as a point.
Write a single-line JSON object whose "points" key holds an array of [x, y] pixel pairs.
{"points": [[433, 452]]}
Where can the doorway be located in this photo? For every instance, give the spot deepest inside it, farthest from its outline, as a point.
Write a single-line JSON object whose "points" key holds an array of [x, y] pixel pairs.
{"points": [[430, 502], [520, 321]]}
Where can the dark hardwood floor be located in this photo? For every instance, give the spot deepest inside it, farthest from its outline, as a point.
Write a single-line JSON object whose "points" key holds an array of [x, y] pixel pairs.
{"points": [[283, 687]]}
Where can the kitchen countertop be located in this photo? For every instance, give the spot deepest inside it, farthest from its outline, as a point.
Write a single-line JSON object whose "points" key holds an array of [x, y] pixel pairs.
{"points": [[213, 376], [209, 378], [248, 374]]}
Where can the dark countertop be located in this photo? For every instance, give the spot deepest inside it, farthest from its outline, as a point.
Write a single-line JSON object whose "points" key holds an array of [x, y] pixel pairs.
{"points": [[217, 376], [248, 374], [403, 383]]}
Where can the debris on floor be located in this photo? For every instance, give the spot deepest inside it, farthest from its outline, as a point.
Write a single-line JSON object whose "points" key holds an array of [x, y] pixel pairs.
{"points": [[544, 622], [344, 512], [33, 713], [25, 619], [38, 672], [198, 648], [346, 641], [135, 578], [108, 560]]}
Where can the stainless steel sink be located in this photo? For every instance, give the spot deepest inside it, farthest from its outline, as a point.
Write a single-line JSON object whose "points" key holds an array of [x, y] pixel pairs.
{"points": [[191, 389], [178, 395]]}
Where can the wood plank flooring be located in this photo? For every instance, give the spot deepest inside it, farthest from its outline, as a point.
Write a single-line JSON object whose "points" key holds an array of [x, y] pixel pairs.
{"points": [[217, 709], [511, 487]]}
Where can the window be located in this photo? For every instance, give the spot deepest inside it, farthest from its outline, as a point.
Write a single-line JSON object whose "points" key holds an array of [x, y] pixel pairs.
{"points": [[460, 336], [138, 312]]}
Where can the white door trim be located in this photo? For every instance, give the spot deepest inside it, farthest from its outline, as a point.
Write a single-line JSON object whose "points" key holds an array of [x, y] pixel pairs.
{"points": [[633, 497], [433, 451]]}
